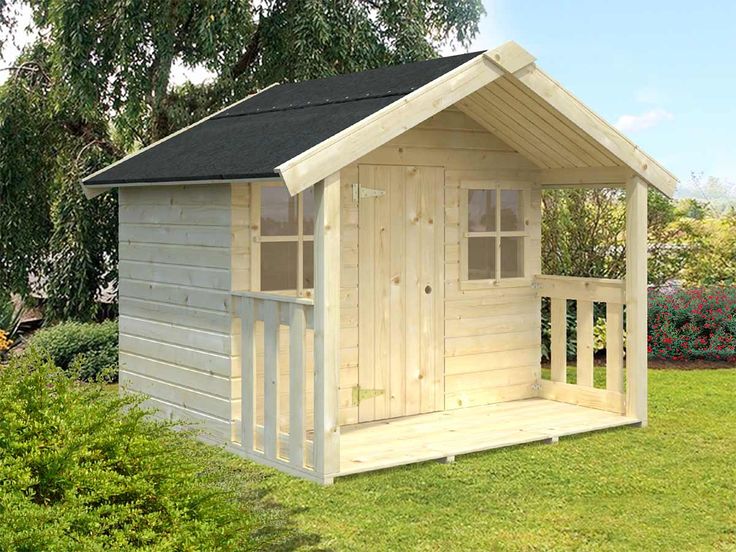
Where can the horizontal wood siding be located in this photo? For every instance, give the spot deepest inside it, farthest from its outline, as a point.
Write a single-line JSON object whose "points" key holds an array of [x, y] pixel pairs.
{"points": [[175, 281], [492, 336]]}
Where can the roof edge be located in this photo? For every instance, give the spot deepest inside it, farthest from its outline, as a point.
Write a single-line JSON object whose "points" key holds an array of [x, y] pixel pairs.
{"points": [[85, 181], [329, 156]]}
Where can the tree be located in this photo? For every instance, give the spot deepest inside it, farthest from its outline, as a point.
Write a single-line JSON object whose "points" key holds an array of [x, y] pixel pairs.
{"points": [[97, 84]]}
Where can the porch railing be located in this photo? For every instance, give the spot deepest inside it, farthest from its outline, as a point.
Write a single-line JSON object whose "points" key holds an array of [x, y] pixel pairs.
{"points": [[585, 292], [263, 436]]}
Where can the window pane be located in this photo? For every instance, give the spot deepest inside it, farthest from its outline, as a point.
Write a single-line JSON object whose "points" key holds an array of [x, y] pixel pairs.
{"points": [[481, 258], [308, 265], [481, 210], [278, 212], [511, 210], [278, 266], [512, 257], [308, 206]]}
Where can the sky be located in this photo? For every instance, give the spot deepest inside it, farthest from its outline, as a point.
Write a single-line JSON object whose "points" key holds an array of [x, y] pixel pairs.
{"points": [[663, 72]]}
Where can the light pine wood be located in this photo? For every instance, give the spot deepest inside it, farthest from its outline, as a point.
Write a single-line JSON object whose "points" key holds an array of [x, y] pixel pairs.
{"points": [[591, 397], [380, 445], [581, 289], [375, 130], [175, 320], [327, 326], [615, 347], [539, 83], [558, 339], [401, 259], [636, 299], [297, 369], [585, 343], [271, 319], [247, 374]]}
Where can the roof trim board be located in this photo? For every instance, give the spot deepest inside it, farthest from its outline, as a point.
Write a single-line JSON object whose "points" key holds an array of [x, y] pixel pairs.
{"points": [[329, 156], [502, 89], [602, 132], [93, 191]]}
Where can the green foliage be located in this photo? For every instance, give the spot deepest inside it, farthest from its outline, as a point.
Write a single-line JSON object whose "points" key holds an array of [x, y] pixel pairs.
{"points": [[83, 469], [97, 84], [693, 324], [10, 317], [668, 486], [89, 351]]}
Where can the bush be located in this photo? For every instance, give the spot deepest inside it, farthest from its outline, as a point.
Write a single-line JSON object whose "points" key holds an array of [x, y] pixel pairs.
{"points": [[694, 324], [89, 350], [84, 469]]}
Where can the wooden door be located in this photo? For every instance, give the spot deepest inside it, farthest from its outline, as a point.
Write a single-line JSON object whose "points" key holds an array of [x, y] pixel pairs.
{"points": [[401, 290]]}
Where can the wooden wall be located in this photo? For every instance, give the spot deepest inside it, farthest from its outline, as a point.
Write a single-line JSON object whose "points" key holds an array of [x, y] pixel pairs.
{"points": [[184, 248], [492, 336], [175, 281]]}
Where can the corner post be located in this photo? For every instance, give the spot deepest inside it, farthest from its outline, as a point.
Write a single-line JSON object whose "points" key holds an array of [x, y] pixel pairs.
{"points": [[327, 327], [636, 299]]}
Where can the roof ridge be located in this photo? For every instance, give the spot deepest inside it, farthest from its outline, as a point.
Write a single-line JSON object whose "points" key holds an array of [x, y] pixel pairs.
{"points": [[308, 104]]}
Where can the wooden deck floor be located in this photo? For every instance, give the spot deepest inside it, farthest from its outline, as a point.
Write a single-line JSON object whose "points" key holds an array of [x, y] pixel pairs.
{"points": [[444, 435]]}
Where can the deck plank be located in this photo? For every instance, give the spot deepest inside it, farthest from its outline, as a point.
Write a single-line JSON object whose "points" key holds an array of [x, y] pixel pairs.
{"points": [[411, 439]]}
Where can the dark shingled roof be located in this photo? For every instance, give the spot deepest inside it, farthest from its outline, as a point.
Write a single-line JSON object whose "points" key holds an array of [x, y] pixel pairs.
{"points": [[251, 138]]}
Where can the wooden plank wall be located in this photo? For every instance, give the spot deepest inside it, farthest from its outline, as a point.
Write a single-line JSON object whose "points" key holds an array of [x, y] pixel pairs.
{"points": [[175, 281], [492, 336]]}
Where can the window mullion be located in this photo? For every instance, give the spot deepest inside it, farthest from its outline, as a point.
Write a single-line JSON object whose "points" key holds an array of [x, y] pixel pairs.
{"points": [[498, 233], [300, 246]]}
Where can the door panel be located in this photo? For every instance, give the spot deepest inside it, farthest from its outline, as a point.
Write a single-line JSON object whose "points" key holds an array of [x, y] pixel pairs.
{"points": [[401, 273]]}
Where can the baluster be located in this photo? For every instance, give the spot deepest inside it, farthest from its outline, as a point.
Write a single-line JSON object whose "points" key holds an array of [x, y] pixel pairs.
{"points": [[297, 335], [558, 339], [247, 372], [271, 323], [585, 343], [615, 347]]}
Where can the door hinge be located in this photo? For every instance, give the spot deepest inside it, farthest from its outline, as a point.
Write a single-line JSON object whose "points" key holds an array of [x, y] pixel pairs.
{"points": [[364, 394], [361, 192]]}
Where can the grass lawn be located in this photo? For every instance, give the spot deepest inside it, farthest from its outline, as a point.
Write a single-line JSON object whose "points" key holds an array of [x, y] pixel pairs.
{"points": [[670, 486]]}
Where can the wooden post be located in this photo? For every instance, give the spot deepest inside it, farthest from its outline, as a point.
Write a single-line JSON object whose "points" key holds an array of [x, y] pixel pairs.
{"points": [[327, 327], [636, 299]]}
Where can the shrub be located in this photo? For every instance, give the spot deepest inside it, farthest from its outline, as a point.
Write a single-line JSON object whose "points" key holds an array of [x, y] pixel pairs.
{"points": [[90, 350], [84, 469], [10, 317], [694, 324]]}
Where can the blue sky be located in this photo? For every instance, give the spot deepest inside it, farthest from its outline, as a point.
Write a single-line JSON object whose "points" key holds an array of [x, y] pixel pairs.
{"points": [[663, 71]]}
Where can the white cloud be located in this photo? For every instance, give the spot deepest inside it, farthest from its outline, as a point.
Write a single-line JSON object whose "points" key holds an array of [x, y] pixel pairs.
{"points": [[648, 119]]}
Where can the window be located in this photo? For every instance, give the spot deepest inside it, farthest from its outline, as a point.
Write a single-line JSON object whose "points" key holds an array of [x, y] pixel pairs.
{"points": [[493, 232], [284, 239]]}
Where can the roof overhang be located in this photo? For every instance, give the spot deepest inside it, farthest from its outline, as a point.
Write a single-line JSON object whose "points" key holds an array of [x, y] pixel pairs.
{"points": [[561, 133], [504, 91]]}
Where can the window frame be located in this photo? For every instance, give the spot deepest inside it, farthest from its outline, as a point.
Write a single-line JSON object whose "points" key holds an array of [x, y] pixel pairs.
{"points": [[498, 186], [257, 239]]}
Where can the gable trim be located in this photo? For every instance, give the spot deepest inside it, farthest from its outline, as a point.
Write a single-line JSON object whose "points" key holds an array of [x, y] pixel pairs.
{"points": [[331, 155]]}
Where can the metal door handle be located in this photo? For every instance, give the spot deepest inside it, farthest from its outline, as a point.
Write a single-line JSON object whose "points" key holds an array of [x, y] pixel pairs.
{"points": [[428, 290]]}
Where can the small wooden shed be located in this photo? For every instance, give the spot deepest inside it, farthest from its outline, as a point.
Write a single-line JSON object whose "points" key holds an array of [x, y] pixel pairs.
{"points": [[343, 274]]}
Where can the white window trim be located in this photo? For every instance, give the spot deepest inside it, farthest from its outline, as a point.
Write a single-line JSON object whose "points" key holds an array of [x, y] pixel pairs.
{"points": [[498, 281], [257, 239]]}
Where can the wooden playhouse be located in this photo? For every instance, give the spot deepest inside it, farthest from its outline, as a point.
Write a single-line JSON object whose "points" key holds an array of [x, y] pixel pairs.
{"points": [[342, 275]]}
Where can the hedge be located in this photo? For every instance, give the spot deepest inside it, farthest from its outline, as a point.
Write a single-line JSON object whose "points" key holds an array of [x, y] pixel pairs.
{"points": [[693, 324], [84, 469]]}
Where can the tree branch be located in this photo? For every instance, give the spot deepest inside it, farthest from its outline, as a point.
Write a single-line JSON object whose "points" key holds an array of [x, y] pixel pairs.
{"points": [[250, 55]]}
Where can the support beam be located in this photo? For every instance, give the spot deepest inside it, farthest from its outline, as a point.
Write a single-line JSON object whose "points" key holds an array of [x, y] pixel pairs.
{"points": [[327, 326], [585, 177], [636, 299]]}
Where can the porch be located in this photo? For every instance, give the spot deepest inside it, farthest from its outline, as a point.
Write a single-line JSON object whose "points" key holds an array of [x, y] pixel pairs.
{"points": [[446, 434]]}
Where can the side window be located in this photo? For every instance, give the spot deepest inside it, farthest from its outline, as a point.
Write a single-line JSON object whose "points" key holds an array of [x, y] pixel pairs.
{"points": [[494, 232], [284, 239]]}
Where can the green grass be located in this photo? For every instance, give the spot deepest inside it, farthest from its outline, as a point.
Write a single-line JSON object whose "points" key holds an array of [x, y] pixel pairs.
{"points": [[670, 486]]}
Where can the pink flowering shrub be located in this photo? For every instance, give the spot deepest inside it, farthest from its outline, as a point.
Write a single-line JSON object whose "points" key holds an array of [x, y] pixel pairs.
{"points": [[693, 324]]}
